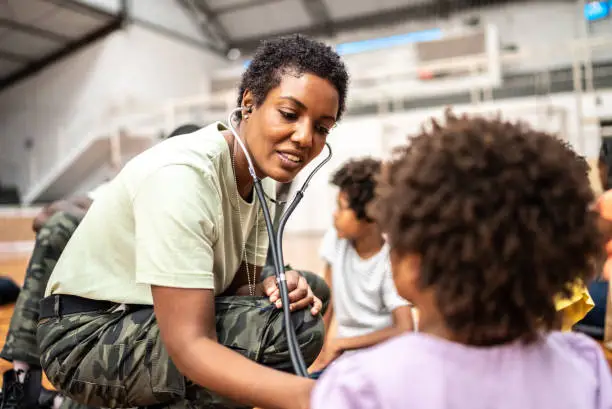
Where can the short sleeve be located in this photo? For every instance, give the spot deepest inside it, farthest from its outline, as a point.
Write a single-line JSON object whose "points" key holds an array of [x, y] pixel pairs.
{"points": [[391, 298], [175, 213], [591, 352], [329, 246], [343, 385]]}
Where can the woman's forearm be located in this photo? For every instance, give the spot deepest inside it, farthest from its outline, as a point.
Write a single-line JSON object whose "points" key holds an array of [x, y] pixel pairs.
{"points": [[229, 374]]}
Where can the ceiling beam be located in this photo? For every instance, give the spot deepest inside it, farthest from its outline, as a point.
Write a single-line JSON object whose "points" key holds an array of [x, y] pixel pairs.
{"points": [[318, 11], [14, 57], [207, 21], [34, 31], [444, 8], [380, 19], [70, 48], [242, 6], [83, 8], [383, 18], [189, 40]]}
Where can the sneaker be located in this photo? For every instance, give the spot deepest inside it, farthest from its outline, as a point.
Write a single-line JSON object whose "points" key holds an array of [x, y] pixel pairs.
{"points": [[18, 395], [46, 398]]}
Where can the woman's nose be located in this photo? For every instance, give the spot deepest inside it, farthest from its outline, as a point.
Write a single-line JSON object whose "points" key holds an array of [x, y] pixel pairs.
{"points": [[303, 135]]}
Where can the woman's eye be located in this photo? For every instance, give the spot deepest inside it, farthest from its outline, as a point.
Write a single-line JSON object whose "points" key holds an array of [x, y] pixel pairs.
{"points": [[323, 130], [288, 115]]}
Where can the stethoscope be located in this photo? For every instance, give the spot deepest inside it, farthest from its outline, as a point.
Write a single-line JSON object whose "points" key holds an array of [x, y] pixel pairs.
{"points": [[276, 241]]}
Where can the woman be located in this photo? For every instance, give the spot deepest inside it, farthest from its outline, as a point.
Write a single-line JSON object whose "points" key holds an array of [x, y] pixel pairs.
{"points": [[174, 249]]}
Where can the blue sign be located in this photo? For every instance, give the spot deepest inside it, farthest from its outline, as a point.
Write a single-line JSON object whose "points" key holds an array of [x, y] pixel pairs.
{"points": [[596, 10]]}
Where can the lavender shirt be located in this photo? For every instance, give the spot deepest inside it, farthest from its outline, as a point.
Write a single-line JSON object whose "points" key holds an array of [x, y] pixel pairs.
{"points": [[564, 371]]}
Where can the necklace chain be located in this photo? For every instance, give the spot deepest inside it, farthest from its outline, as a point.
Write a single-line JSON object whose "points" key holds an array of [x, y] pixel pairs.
{"points": [[251, 281]]}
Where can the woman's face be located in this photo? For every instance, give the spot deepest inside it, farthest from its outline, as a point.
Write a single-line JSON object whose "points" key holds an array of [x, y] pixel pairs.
{"points": [[289, 129]]}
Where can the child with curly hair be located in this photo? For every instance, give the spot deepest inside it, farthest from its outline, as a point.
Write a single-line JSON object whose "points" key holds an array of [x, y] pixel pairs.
{"points": [[488, 221], [365, 303]]}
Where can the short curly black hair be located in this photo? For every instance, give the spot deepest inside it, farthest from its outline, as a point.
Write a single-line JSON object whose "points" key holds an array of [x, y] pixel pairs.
{"points": [[357, 178], [296, 53], [499, 215]]}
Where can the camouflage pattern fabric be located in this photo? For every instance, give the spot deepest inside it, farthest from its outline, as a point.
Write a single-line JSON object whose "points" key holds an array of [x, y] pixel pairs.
{"points": [[50, 242], [116, 359]]}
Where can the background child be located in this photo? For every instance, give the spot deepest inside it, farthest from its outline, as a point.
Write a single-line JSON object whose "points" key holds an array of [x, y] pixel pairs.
{"points": [[488, 222], [365, 303], [603, 207]]}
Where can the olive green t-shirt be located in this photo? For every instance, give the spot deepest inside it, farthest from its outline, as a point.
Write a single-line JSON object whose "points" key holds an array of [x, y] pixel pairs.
{"points": [[172, 217]]}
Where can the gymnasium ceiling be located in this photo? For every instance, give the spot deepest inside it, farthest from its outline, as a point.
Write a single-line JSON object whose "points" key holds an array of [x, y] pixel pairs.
{"points": [[242, 24], [36, 33]]}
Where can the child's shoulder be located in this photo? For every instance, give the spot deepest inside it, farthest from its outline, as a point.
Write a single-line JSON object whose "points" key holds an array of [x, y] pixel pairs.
{"points": [[574, 349], [576, 346], [378, 372], [330, 244], [390, 353]]}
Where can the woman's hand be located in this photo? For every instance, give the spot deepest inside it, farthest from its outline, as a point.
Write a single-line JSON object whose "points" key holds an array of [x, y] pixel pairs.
{"points": [[300, 293]]}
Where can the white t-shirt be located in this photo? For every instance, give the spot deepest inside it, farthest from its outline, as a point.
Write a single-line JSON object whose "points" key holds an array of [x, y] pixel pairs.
{"points": [[172, 217], [364, 294]]}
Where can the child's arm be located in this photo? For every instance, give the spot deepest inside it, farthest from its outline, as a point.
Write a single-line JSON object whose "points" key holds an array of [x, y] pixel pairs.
{"points": [[329, 314], [328, 317], [402, 322]]}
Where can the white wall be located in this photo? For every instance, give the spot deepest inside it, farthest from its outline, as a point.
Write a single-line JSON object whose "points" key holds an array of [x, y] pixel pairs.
{"points": [[377, 135], [131, 70]]}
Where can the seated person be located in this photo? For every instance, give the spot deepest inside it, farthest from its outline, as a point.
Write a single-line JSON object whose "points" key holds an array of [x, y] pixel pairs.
{"points": [[365, 303], [184, 129], [591, 311], [603, 206], [487, 221]]}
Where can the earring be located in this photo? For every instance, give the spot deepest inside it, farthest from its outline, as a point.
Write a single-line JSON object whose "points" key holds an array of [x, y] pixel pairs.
{"points": [[245, 117]]}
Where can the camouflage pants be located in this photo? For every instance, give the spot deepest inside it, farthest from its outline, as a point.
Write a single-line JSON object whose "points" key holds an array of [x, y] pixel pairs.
{"points": [[21, 342], [116, 359]]}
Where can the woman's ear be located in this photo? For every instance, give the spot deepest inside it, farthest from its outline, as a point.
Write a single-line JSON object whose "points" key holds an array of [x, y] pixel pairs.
{"points": [[247, 99]]}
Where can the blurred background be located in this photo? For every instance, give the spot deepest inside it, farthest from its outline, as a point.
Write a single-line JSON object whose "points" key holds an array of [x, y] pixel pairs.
{"points": [[87, 84]]}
